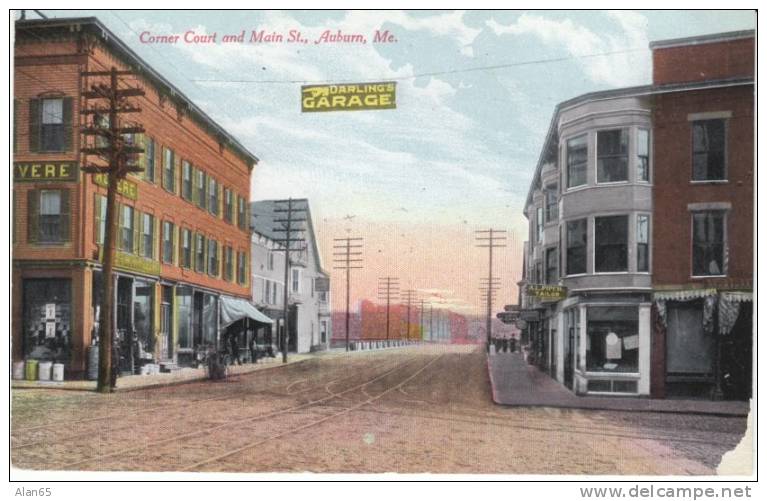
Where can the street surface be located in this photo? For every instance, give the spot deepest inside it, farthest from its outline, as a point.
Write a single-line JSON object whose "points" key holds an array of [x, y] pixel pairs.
{"points": [[407, 410]]}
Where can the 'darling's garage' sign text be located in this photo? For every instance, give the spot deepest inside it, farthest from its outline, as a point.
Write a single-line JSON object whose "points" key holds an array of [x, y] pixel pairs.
{"points": [[349, 97]]}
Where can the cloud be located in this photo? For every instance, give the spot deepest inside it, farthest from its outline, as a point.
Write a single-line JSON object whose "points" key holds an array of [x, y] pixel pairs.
{"points": [[631, 64]]}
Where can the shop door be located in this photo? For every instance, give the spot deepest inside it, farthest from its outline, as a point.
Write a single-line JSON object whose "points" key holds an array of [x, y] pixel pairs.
{"points": [[124, 323], [166, 323], [143, 321], [569, 352], [293, 329]]}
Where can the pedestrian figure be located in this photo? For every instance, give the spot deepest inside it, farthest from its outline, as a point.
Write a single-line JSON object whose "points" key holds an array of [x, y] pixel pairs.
{"points": [[234, 347], [115, 365]]}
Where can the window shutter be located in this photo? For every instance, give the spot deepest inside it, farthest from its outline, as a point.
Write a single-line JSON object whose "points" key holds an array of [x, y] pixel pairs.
{"points": [[175, 239], [195, 191], [33, 211], [34, 125], [96, 218], [204, 255], [65, 218], [138, 223], [220, 264], [67, 119], [141, 142], [155, 238], [220, 199], [176, 173]]}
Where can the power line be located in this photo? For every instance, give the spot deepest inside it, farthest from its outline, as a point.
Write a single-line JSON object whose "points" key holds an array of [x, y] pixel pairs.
{"points": [[426, 74], [349, 259]]}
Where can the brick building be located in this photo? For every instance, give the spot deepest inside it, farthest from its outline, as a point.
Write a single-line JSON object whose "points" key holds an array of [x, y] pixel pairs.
{"points": [[641, 225], [183, 243], [703, 236]]}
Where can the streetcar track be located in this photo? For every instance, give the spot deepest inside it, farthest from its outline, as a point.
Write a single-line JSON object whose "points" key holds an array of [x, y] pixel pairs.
{"points": [[355, 407], [229, 423]]}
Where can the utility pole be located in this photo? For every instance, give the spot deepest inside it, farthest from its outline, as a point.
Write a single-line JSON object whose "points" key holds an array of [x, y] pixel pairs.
{"points": [[409, 295], [420, 319], [490, 239], [349, 259], [113, 148], [290, 217], [388, 289], [431, 322]]}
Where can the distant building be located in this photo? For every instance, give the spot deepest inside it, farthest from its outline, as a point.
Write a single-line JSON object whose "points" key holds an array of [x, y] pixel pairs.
{"points": [[639, 256], [310, 324]]}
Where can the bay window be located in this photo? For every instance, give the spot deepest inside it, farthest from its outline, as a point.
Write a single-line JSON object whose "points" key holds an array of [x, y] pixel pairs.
{"points": [[610, 244], [576, 247], [577, 160], [612, 156]]}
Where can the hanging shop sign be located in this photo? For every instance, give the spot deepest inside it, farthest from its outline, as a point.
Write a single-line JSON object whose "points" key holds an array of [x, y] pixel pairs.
{"points": [[508, 317], [45, 171], [349, 97], [126, 188], [322, 284], [547, 292], [136, 263]]}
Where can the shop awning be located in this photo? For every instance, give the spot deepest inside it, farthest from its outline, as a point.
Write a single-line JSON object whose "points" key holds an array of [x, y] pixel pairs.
{"points": [[739, 297], [233, 309], [684, 295]]}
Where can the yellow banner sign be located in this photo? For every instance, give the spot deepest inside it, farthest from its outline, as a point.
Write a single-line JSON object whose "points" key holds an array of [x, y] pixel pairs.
{"points": [[349, 97], [132, 262], [126, 188], [45, 171], [547, 292]]}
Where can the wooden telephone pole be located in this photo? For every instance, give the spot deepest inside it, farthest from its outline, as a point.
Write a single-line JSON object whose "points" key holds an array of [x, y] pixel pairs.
{"points": [[409, 295], [388, 289], [349, 259], [290, 217], [114, 148], [490, 239]]}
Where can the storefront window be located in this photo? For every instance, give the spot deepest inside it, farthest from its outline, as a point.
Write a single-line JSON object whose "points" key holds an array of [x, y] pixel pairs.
{"points": [[47, 319], [209, 314], [184, 305], [612, 343]]}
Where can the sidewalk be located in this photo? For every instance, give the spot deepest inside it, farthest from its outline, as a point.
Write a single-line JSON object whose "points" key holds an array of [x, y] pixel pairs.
{"points": [[514, 382], [181, 376]]}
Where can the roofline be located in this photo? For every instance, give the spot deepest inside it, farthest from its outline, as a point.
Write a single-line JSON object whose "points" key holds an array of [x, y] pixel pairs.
{"points": [[702, 39], [644, 90], [122, 49]]}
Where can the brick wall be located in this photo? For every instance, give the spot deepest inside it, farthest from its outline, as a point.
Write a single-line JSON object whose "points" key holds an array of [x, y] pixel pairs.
{"points": [[707, 61]]}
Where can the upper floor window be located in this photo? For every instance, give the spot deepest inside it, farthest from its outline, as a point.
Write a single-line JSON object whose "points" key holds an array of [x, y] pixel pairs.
{"points": [[242, 222], [49, 216], [576, 247], [199, 253], [643, 242], [186, 248], [168, 229], [539, 224], [100, 218], [147, 236], [551, 265], [295, 283], [612, 156], [577, 160], [149, 159], [213, 196], [201, 184], [228, 206], [212, 258], [168, 170], [127, 228], [611, 243], [643, 155], [50, 124], [186, 180], [708, 243], [242, 268], [552, 208], [708, 150], [270, 261], [228, 263]]}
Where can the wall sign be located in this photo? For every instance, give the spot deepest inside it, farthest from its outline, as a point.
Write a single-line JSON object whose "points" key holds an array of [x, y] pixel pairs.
{"points": [[45, 171], [547, 292], [126, 188]]}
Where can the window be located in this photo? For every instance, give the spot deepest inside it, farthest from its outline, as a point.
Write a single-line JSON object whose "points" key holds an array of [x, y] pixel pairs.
{"points": [[539, 224], [186, 180], [201, 189], [228, 206], [708, 243], [167, 241], [51, 127], [295, 282], [149, 160], [611, 243], [551, 266], [708, 150], [242, 223], [147, 236], [100, 218], [212, 258], [275, 291], [213, 196], [228, 264], [168, 170], [241, 268], [643, 242], [184, 311], [577, 160], [186, 248], [50, 216], [270, 261], [199, 250], [612, 156], [127, 228], [643, 155], [613, 339], [576, 247], [268, 292], [552, 209]]}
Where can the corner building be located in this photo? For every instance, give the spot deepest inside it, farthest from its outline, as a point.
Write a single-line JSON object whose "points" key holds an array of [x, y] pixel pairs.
{"points": [[183, 240]]}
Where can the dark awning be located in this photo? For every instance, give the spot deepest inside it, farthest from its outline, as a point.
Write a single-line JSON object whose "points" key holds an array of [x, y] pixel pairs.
{"points": [[233, 309]]}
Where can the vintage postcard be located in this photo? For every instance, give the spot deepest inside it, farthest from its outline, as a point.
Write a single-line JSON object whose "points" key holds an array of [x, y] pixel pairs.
{"points": [[357, 242]]}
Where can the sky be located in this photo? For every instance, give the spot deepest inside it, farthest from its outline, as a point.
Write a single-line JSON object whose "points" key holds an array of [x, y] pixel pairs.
{"points": [[475, 94]]}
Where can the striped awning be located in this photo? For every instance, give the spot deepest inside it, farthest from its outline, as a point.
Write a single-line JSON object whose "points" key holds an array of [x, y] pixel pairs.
{"points": [[738, 296], [683, 295]]}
